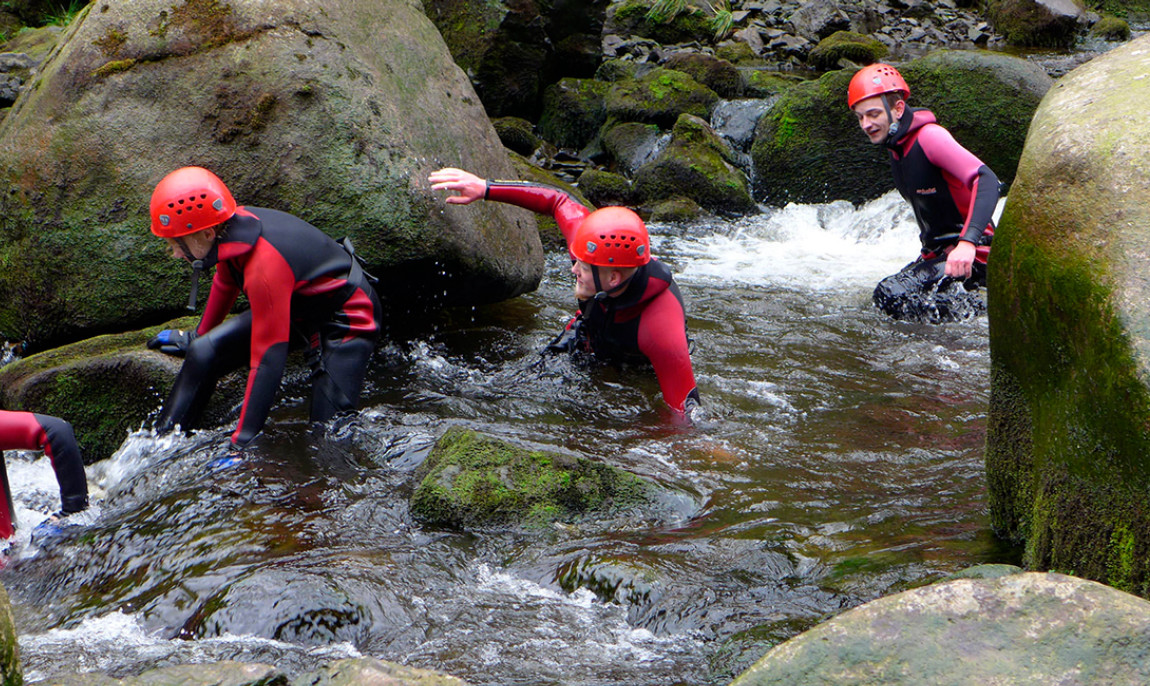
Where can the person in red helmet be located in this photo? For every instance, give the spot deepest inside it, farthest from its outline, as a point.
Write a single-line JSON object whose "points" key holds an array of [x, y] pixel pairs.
{"points": [[303, 288], [630, 308], [30, 431], [953, 194]]}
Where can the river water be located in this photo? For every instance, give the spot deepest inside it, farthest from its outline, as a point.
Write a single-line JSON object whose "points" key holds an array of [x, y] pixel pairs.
{"points": [[839, 459]]}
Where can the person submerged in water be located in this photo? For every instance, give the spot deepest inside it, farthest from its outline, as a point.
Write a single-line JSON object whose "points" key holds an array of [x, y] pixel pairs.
{"points": [[30, 431], [953, 194], [629, 305], [297, 280]]}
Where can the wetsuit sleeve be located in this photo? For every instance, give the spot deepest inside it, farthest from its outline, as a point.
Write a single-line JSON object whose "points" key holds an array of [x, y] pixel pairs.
{"points": [[269, 283], [955, 161], [663, 339], [220, 300], [567, 211], [28, 431]]}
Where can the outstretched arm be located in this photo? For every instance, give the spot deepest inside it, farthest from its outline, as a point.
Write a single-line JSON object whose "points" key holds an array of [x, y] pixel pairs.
{"points": [[469, 186]]}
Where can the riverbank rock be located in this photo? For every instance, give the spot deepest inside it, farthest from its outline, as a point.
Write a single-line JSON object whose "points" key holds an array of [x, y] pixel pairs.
{"points": [[106, 387], [573, 111], [659, 97], [1038, 23], [1068, 443], [1016, 629], [334, 112], [470, 480]]}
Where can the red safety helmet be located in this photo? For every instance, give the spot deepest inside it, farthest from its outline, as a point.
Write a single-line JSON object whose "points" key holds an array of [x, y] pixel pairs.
{"points": [[190, 199], [612, 237], [876, 79]]}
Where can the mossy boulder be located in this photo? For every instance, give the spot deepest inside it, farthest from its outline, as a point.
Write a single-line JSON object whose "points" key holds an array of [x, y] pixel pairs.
{"points": [[573, 111], [985, 99], [631, 144], [34, 42], [855, 47], [699, 165], [808, 148], [605, 188], [470, 480], [659, 97], [717, 74], [11, 673], [1037, 23], [634, 18], [1068, 442], [677, 211], [516, 134], [106, 387], [616, 70], [764, 83], [1014, 629], [1111, 28], [334, 112]]}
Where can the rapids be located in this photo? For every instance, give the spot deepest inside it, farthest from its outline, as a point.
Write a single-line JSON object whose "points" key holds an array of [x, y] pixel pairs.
{"points": [[838, 459]]}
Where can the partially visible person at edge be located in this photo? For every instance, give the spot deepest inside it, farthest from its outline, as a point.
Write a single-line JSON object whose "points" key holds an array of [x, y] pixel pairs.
{"points": [[954, 195], [303, 287], [630, 308], [29, 431]]}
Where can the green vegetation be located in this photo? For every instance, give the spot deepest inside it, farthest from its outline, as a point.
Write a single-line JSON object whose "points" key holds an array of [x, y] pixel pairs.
{"points": [[62, 14]]}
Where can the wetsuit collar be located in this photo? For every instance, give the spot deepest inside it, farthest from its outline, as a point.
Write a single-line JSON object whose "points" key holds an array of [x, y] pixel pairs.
{"points": [[900, 128], [600, 294]]}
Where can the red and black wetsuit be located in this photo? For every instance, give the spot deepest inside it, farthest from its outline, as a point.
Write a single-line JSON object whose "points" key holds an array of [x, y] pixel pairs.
{"points": [[953, 194], [28, 431], [645, 322], [296, 278]]}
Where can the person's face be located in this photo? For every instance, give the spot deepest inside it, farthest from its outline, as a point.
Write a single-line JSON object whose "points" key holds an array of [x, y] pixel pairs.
{"points": [[584, 280], [873, 118], [199, 244]]}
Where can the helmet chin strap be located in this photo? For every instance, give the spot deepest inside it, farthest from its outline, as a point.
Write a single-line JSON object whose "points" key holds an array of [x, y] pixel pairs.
{"points": [[197, 269], [892, 132]]}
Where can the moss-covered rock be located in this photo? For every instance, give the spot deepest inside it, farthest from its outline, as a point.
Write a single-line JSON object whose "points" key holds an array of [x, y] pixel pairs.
{"points": [[634, 17], [333, 112], [1031, 23], [985, 99], [34, 42], [573, 111], [1013, 629], [631, 144], [11, 673], [1111, 28], [470, 480], [516, 134], [677, 211], [764, 83], [659, 97], [697, 164], [1068, 442], [857, 48], [105, 387], [717, 74], [736, 52], [616, 70], [808, 148], [605, 188]]}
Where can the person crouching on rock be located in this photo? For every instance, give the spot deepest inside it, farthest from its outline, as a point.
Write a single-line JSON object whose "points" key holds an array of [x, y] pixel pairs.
{"points": [[952, 192], [629, 305], [302, 286], [30, 431]]}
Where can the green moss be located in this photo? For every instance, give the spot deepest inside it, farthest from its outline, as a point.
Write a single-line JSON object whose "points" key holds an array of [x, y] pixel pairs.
{"points": [[1121, 562], [114, 67], [111, 42], [1111, 28], [847, 45], [659, 97], [470, 480]]}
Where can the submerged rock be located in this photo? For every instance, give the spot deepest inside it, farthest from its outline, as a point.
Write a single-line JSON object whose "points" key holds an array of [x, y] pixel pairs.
{"points": [[1015, 629], [470, 480]]}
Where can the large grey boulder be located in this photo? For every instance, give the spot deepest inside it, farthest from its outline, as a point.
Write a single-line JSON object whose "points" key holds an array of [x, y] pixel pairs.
{"points": [[1043, 23], [333, 111], [1016, 629], [1068, 442]]}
